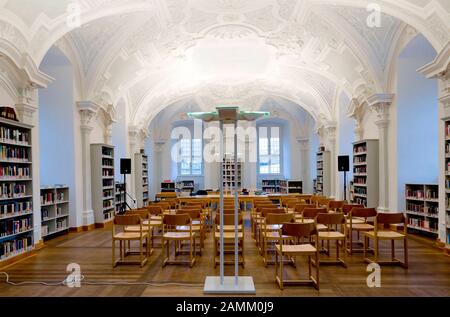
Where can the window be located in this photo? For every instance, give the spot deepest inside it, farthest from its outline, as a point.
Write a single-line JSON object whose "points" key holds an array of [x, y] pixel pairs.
{"points": [[269, 150], [190, 157]]}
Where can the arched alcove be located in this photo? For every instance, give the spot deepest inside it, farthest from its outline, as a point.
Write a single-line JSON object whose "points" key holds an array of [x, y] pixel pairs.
{"points": [[57, 127], [417, 117]]}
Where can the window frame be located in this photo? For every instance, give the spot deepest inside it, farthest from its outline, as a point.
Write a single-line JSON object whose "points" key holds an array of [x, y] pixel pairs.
{"points": [[269, 147]]}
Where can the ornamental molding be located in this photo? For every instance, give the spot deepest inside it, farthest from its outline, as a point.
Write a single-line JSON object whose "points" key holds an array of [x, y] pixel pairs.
{"points": [[88, 112]]}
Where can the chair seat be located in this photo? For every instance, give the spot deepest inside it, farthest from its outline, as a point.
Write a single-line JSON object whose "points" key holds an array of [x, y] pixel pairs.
{"points": [[130, 235], [361, 226], [156, 218], [300, 220], [229, 228], [178, 235], [187, 228], [271, 235], [272, 227], [331, 235], [228, 235], [297, 249], [136, 228], [356, 220], [386, 235], [153, 223], [321, 227]]}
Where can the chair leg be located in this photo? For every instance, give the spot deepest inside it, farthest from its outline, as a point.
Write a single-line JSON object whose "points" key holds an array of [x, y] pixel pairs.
{"points": [[392, 250], [141, 251], [350, 238], [281, 272], [365, 247], [265, 251], [317, 270], [113, 253], [405, 245], [376, 250]]}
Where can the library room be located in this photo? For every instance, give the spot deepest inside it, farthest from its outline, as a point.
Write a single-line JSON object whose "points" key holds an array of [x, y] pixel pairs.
{"points": [[190, 148]]}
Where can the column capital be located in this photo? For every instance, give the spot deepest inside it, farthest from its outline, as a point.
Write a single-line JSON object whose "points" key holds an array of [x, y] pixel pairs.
{"points": [[331, 130], [380, 104], [133, 134], [304, 143], [88, 111], [27, 104], [159, 145]]}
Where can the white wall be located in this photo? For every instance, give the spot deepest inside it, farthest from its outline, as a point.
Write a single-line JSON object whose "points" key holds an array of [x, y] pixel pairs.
{"points": [[417, 114], [5, 97], [56, 118]]}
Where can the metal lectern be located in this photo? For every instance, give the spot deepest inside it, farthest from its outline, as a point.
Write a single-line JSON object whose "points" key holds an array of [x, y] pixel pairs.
{"points": [[229, 284]]}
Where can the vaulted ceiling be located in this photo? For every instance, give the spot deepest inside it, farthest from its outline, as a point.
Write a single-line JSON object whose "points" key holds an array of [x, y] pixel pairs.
{"points": [[154, 53]]}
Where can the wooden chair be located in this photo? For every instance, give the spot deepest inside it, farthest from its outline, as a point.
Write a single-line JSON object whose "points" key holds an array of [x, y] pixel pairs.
{"points": [[297, 241], [331, 221], [264, 211], [384, 220], [197, 220], [323, 202], [309, 215], [123, 237], [156, 221], [170, 233], [145, 215], [348, 207], [270, 232], [229, 238], [352, 226], [298, 209], [336, 206]]}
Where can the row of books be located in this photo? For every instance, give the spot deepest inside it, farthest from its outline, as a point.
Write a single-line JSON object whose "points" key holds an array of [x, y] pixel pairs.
{"points": [[359, 159], [44, 230], [447, 130], [14, 171], [360, 201], [10, 209], [420, 194], [319, 165], [47, 198], [10, 248], [360, 190], [360, 149], [8, 152], [12, 190], [9, 227], [108, 173], [360, 170], [45, 214], [447, 148], [108, 203], [108, 193], [359, 180], [61, 224], [14, 135], [60, 196], [107, 162], [422, 208], [108, 183], [107, 152], [425, 223]]}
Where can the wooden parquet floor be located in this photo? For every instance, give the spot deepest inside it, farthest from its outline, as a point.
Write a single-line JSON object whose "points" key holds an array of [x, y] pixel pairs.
{"points": [[428, 274]]}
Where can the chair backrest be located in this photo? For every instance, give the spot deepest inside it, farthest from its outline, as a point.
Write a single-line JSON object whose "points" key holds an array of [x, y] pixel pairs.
{"points": [[127, 220], [300, 207], [363, 212], [273, 210], [193, 213], [336, 205], [331, 219], [390, 218], [228, 220], [155, 210], [286, 201], [229, 211], [164, 205], [323, 201], [259, 208], [278, 219], [299, 230], [311, 213], [177, 220], [348, 207], [142, 213], [292, 203]]}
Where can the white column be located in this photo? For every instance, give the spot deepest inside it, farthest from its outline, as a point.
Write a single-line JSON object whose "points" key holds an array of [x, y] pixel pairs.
{"points": [[108, 133], [159, 149], [28, 112], [380, 104], [330, 131], [88, 111], [133, 143], [356, 111], [305, 148]]}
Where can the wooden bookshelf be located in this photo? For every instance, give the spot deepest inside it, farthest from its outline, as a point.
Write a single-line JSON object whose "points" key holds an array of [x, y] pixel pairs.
{"points": [[271, 186], [16, 191], [230, 167], [291, 187], [366, 173], [54, 211], [168, 187], [185, 187], [323, 185], [102, 183], [141, 179], [422, 207]]}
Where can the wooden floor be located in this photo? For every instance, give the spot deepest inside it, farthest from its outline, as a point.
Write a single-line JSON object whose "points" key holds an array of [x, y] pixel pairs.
{"points": [[428, 275]]}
